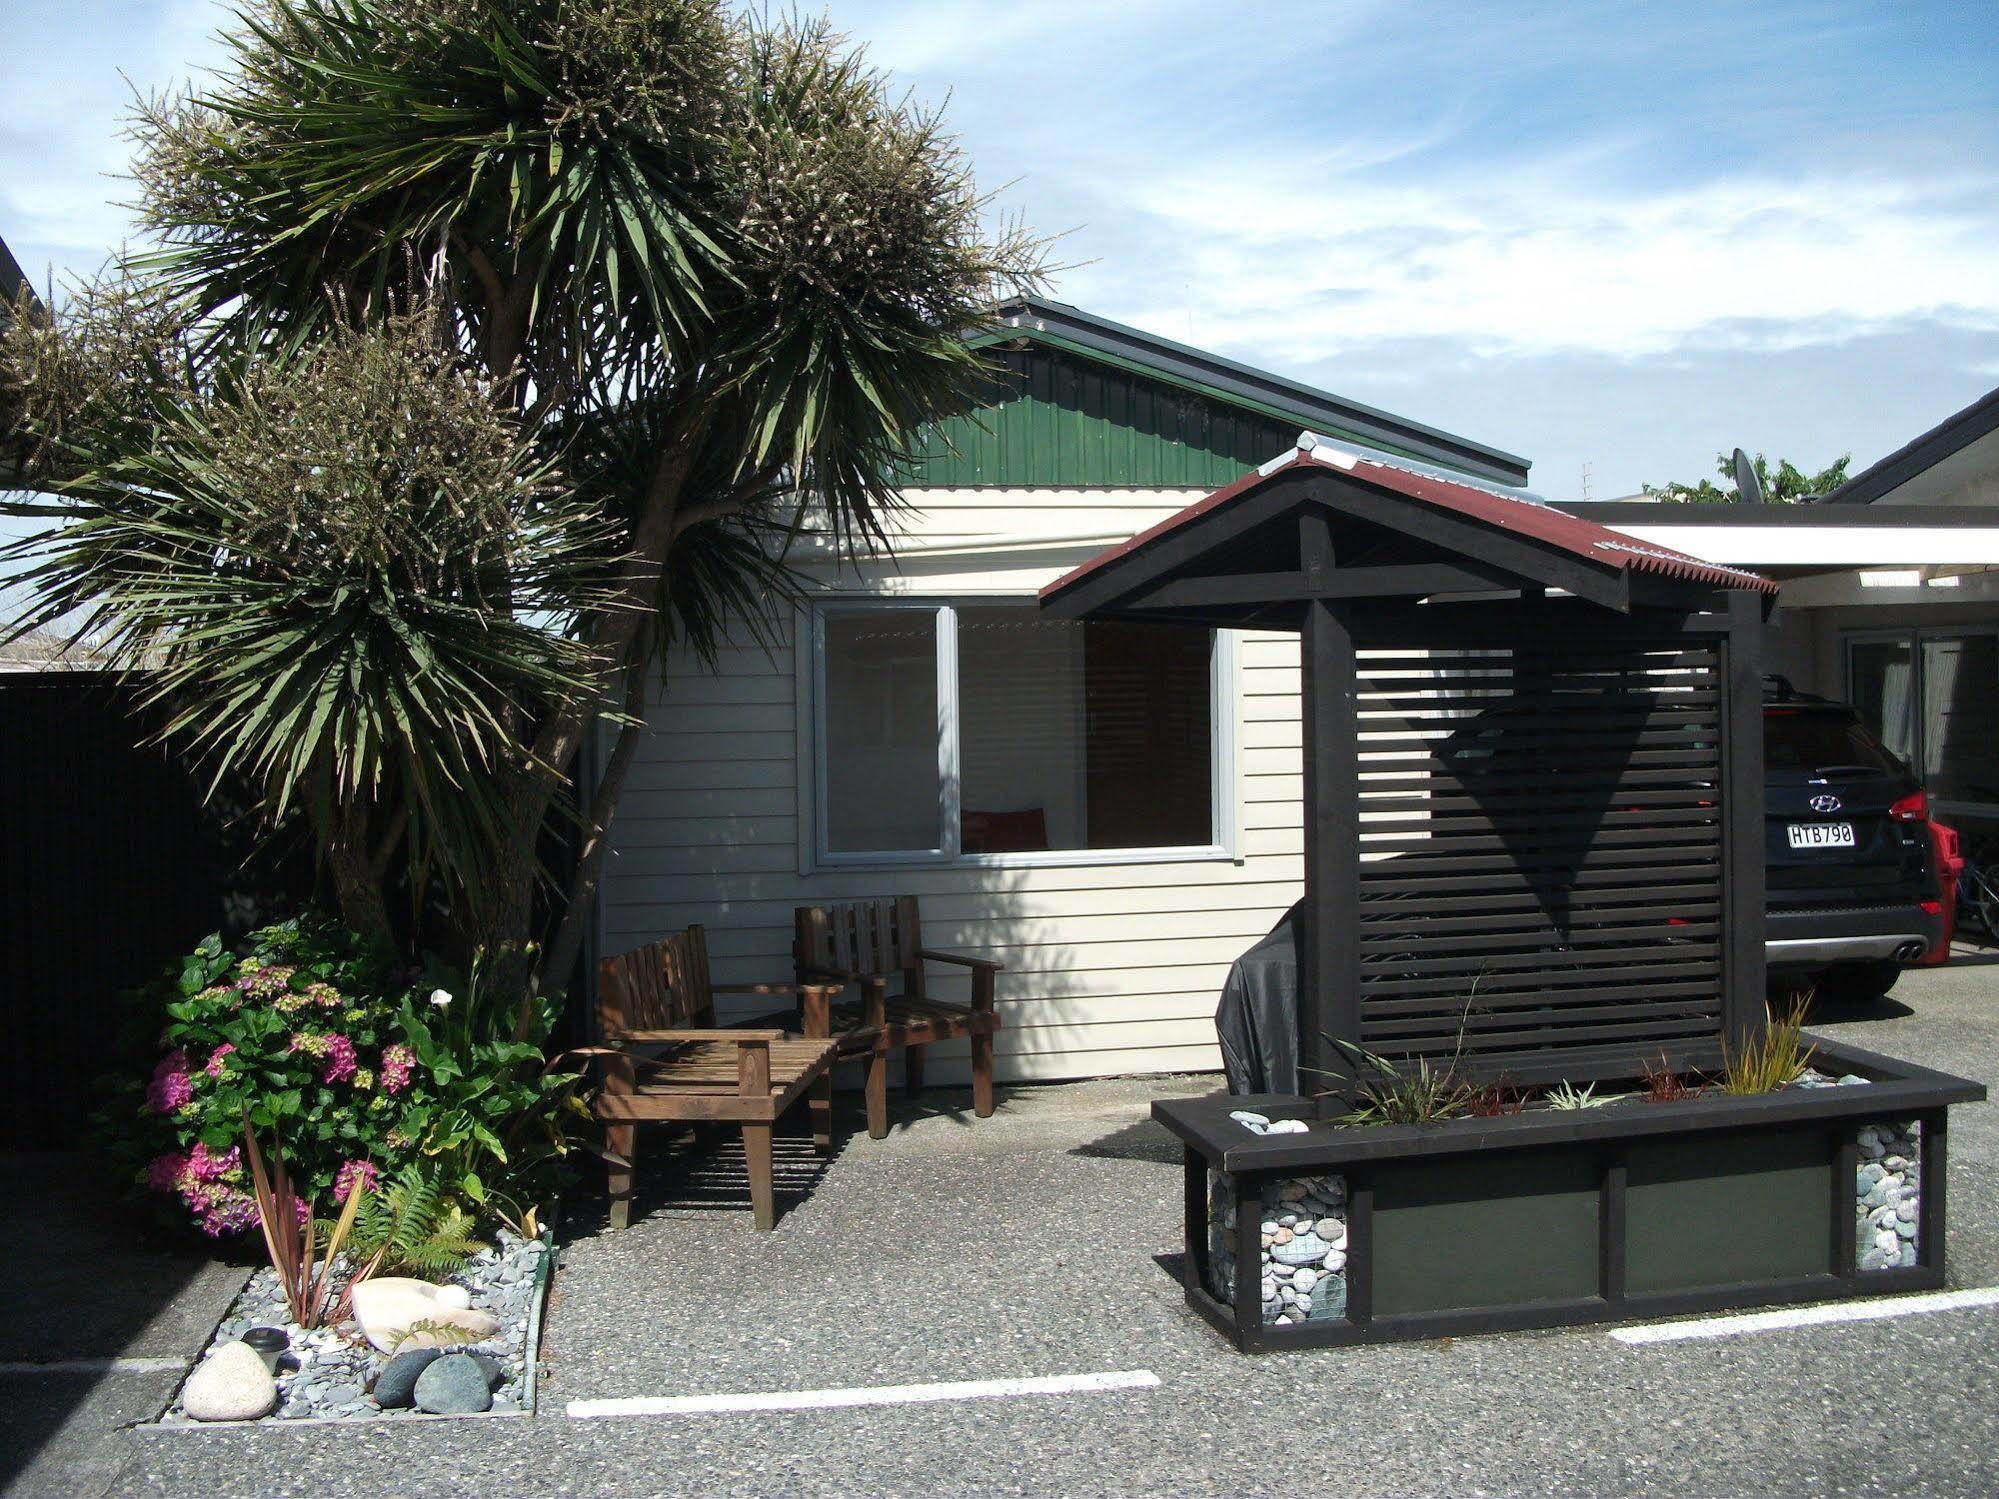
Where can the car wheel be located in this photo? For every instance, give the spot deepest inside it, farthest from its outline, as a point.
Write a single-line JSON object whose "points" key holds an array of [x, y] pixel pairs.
{"points": [[1858, 983]]}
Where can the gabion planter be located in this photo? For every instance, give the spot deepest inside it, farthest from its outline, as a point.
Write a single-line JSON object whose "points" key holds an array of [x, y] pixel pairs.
{"points": [[1336, 1235]]}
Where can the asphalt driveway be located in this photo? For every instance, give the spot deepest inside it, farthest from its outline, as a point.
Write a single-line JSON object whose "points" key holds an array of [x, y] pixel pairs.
{"points": [[1027, 1246]]}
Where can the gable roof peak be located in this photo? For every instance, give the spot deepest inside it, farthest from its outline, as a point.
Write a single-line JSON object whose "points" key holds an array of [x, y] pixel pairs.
{"points": [[1064, 326]]}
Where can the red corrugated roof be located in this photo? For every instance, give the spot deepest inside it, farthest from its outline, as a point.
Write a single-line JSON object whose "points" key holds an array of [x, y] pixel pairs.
{"points": [[1581, 538]]}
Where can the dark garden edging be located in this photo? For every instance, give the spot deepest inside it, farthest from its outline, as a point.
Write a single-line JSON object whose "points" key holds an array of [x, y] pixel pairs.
{"points": [[1548, 1218]]}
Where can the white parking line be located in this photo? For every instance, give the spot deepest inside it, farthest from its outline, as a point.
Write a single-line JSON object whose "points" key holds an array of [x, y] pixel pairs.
{"points": [[1809, 1316], [97, 1366], [901, 1394]]}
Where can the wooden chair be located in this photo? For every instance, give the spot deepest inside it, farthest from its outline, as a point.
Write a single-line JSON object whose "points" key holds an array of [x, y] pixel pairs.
{"points": [[660, 997], [867, 944]]}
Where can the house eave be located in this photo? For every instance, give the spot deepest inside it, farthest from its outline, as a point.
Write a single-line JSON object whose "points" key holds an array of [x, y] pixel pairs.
{"points": [[1060, 325]]}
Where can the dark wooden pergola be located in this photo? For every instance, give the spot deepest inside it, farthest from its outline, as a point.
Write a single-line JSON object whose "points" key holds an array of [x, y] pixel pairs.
{"points": [[1532, 755]]}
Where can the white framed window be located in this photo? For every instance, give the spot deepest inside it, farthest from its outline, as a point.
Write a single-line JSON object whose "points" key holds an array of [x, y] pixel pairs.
{"points": [[981, 732]]}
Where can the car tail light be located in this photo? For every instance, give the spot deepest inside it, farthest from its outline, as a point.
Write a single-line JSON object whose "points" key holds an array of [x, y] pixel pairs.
{"points": [[1914, 808], [1932, 908]]}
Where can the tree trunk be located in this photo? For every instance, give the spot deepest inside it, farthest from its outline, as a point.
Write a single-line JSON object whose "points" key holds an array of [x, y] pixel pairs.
{"points": [[357, 883], [567, 944]]}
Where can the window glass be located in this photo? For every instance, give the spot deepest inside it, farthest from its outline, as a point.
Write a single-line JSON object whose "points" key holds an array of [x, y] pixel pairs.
{"points": [[1093, 735], [881, 728], [1960, 718], [1883, 675], [1812, 739]]}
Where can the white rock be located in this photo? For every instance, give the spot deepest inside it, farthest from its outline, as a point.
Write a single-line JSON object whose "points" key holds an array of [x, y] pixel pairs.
{"points": [[455, 1297], [1887, 1240], [1288, 1127], [387, 1308], [232, 1384]]}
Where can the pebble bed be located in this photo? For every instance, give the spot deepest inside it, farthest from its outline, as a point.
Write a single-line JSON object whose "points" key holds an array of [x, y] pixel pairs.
{"points": [[1887, 1196], [335, 1367], [1303, 1259]]}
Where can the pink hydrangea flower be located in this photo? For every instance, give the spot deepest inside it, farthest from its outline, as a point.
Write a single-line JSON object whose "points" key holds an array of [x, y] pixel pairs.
{"points": [[214, 1066], [343, 1179], [171, 1086], [219, 1209], [163, 1171], [310, 1042], [204, 1165], [397, 1061], [340, 1059]]}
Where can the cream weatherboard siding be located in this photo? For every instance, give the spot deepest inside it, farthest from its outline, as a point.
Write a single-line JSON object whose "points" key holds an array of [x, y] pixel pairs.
{"points": [[1110, 967]]}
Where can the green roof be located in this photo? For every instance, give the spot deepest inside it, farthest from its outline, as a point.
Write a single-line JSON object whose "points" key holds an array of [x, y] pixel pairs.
{"points": [[1078, 401]]}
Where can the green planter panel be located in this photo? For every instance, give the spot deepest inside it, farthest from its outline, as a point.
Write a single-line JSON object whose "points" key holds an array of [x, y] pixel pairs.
{"points": [[1486, 1231], [1720, 1209]]}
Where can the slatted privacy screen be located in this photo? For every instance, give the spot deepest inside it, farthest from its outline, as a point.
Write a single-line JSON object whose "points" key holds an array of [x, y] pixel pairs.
{"points": [[1540, 848]]}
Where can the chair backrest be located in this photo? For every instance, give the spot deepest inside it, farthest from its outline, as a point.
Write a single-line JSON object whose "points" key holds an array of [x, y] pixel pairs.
{"points": [[658, 987], [872, 937]]}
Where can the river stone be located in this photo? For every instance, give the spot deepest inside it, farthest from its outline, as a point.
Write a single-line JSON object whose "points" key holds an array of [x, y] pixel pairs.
{"points": [[232, 1384], [395, 1387], [454, 1385], [1302, 1249], [387, 1308], [456, 1297], [1329, 1298]]}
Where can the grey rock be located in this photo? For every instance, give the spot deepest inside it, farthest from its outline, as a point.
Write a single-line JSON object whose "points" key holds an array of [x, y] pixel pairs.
{"points": [[454, 1385], [1329, 1298], [395, 1388], [1303, 1249], [506, 1408]]}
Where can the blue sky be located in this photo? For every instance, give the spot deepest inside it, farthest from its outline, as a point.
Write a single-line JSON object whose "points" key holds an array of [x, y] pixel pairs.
{"points": [[1621, 236]]}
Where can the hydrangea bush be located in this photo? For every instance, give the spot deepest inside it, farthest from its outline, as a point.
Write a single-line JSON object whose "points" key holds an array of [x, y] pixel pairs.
{"points": [[355, 1062]]}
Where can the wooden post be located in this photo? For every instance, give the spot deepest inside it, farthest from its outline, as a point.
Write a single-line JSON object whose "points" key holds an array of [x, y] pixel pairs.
{"points": [[1328, 946], [1744, 1010]]}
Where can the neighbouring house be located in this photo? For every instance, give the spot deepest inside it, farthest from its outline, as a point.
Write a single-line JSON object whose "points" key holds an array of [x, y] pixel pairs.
{"points": [[1110, 809], [11, 283]]}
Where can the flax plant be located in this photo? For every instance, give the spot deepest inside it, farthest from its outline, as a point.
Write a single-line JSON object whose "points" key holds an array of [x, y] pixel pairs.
{"points": [[1771, 1060]]}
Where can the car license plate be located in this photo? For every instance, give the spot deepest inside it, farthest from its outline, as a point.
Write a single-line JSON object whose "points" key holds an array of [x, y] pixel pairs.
{"points": [[1821, 834]]}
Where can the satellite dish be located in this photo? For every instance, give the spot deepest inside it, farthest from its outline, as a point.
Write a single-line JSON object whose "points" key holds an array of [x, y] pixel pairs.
{"points": [[1748, 488]]}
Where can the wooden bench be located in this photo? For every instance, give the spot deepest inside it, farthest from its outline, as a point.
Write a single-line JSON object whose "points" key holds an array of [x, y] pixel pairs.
{"points": [[665, 1060], [868, 944]]}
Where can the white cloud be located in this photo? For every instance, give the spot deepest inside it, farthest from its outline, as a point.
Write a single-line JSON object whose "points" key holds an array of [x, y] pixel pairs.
{"points": [[1541, 259]]}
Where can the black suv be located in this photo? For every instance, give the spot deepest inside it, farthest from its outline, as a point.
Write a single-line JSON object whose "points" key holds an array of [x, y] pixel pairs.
{"points": [[1852, 886]]}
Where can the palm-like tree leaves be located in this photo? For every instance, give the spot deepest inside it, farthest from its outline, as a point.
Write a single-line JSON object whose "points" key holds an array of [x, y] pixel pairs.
{"points": [[343, 571]]}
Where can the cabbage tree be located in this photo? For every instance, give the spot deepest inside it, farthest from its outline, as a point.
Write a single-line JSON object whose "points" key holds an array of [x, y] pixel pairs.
{"points": [[709, 267]]}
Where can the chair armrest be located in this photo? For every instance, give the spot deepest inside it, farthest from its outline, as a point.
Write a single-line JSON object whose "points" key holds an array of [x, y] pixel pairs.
{"points": [[834, 976], [648, 1037], [963, 960], [759, 988]]}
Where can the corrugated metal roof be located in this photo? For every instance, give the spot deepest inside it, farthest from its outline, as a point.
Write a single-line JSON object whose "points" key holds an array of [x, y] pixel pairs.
{"points": [[1059, 324], [1504, 509]]}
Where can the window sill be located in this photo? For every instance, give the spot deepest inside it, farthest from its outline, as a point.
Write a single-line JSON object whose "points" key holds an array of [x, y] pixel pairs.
{"points": [[1078, 858]]}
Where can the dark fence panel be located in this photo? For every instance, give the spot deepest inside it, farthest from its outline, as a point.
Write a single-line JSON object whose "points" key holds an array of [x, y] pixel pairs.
{"points": [[109, 868], [1540, 851]]}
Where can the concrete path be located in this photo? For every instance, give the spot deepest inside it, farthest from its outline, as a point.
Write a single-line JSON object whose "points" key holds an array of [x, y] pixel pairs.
{"points": [[1026, 1248]]}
